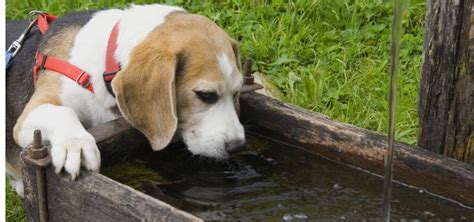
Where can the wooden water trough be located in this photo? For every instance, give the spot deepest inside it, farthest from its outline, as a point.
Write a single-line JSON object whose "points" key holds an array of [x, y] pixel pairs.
{"points": [[94, 197]]}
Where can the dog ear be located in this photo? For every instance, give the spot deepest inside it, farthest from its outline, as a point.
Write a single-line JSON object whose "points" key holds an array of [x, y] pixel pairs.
{"points": [[146, 94], [235, 48]]}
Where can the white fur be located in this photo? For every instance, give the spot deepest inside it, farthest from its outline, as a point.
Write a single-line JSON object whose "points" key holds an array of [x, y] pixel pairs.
{"points": [[232, 77], [219, 124], [139, 22], [89, 51], [63, 126]]}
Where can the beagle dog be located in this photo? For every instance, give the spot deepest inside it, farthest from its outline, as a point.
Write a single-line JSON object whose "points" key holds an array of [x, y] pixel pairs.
{"points": [[180, 77]]}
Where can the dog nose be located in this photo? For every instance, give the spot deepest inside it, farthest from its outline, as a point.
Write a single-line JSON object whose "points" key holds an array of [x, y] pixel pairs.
{"points": [[234, 146]]}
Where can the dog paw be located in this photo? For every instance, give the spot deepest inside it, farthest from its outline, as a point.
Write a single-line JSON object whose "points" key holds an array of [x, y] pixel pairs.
{"points": [[72, 151]]}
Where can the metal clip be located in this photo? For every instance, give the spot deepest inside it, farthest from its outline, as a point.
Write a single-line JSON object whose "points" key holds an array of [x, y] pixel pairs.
{"points": [[18, 43], [33, 14]]}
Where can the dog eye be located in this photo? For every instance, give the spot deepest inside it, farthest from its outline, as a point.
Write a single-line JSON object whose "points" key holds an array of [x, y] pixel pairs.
{"points": [[207, 97]]}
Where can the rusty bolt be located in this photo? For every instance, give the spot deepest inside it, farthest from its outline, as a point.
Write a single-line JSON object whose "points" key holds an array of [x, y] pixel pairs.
{"points": [[248, 78], [37, 150], [38, 156]]}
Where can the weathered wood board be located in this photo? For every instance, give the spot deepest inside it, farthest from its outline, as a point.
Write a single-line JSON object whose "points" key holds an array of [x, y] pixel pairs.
{"points": [[117, 140], [96, 197], [360, 148], [446, 97]]}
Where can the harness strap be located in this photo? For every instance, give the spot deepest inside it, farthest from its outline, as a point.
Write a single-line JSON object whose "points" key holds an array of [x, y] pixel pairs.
{"points": [[54, 64], [43, 21], [65, 68], [71, 71]]}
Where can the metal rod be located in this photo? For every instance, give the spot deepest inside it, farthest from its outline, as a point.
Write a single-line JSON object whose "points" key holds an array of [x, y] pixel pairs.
{"points": [[37, 139], [248, 78], [40, 179], [248, 67], [42, 200]]}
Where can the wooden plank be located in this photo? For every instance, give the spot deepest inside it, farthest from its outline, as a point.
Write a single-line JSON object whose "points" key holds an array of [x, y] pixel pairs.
{"points": [[471, 41], [94, 197], [30, 198], [117, 140], [446, 101], [360, 148]]}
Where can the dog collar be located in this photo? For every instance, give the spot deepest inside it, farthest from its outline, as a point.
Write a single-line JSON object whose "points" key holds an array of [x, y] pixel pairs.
{"points": [[71, 71], [111, 65]]}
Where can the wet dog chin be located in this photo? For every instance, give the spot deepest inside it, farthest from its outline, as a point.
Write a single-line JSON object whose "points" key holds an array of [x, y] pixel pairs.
{"points": [[211, 155], [201, 153], [209, 150]]}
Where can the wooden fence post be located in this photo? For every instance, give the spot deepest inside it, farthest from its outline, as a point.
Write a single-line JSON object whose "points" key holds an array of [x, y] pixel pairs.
{"points": [[446, 101]]}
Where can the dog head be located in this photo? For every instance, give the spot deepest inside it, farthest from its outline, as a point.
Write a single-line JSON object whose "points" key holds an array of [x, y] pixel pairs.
{"points": [[184, 79]]}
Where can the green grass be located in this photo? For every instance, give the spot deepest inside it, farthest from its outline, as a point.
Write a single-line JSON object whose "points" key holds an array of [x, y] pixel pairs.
{"points": [[13, 205], [329, 56]]}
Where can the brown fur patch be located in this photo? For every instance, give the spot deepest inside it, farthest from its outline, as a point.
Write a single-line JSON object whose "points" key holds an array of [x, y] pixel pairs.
{"points": [[204, 43], [236, 49], [146, 89], [145, 92]]}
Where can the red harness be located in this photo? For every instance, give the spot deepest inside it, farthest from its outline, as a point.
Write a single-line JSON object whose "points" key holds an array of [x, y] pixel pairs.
{"points": [[71, 71]]}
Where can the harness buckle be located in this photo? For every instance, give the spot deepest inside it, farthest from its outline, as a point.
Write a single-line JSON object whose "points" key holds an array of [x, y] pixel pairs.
{"points": [[43, 62], [39, 65], [85, 84], [112, 74]]}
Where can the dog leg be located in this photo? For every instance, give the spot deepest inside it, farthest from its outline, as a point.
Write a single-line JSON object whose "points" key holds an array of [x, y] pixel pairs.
{"points": [[69, 140]]}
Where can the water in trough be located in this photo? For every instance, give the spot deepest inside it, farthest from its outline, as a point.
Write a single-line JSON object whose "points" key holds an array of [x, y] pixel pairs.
{"points": [[271, 180]]}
